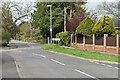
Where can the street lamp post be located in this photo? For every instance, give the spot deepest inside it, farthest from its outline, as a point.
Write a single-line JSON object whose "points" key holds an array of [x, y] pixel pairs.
{"points": [[50, 22]]}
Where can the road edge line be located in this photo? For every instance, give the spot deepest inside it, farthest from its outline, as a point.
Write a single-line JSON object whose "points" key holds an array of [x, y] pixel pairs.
{"points": [[18, 70]]}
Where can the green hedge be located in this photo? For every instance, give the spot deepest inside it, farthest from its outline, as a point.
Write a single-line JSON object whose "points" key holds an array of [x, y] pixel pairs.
{"points": [[64, 38]]}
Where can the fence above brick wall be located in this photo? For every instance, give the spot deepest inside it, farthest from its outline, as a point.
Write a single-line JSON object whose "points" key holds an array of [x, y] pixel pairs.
{"points": [[108, 44], [111, 41], [79, 38], [88, 40], [99, 41]]}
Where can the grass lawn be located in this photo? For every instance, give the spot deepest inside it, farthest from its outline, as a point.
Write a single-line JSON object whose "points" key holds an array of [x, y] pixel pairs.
{"points": [[3, 47], [82, 53]]}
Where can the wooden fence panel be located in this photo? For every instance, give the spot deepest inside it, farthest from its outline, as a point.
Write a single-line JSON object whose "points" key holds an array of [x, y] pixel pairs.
{"points": [[99, 41], [111, 41], [88, 40], [79, 39]]}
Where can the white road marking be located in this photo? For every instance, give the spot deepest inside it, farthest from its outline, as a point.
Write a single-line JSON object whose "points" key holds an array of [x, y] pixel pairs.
{"points": [[58, 62], [103, 64], [39, 55], [116, 67], [42, 56], [18, 70], [109, 66], [84, 73], [84, 58], [34, 54]]}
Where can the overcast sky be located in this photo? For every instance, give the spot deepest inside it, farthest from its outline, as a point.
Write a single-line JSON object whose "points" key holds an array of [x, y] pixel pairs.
{"points": [[91, 4]]}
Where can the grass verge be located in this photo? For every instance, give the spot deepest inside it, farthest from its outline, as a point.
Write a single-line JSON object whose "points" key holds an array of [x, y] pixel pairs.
{"points": [[82, 53], [3, 47]]}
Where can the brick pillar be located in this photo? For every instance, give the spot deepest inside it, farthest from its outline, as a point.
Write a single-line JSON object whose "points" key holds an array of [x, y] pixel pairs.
{"points": [[117, 43], [75, 41], [93, 41], [83, 41], [71, 39], [105, 38]]}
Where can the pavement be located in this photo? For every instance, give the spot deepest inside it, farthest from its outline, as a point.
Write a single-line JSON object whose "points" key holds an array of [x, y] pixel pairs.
{"points": [[30, 61]]}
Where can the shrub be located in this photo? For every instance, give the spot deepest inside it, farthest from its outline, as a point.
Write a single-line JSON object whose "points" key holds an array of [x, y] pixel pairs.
{"points": [[34, 38], [64, 38], [43, 41], [85, 27], [4, 44], [104, 26], [5, 37], [22, 37]]}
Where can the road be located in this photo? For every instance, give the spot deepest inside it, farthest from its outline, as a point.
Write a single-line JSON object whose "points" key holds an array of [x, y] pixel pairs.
{"points": [[30, 61]]}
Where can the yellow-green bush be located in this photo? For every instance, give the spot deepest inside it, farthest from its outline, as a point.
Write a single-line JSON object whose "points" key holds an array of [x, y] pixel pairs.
{"points": [[104, 26], [85, 27]]}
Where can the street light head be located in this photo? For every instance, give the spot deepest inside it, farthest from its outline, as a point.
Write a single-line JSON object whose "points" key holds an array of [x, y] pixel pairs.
{"points": [[49, 5]]}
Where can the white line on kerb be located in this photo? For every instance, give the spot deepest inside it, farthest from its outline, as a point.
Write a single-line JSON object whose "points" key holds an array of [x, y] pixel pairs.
{"points": [[84, 73], [58, 62], [97, 63], [91, 61]]}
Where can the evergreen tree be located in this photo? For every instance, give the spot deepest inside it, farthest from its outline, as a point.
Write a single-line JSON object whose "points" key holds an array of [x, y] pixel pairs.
{"points": [[41, 17], [104, 26], [85, 27]]}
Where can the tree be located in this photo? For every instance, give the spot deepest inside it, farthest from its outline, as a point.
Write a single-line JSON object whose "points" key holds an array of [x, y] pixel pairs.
{"points": [[41, 17], [78, 16], [25, 29], [104, 26], [112, 9], [12, 14], [85, 27], [7, 22]]}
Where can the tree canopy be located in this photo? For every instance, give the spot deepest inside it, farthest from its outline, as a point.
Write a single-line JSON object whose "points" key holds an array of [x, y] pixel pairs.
{"points": [[12, 13], [104, 26], [85, 27], [41, 16]]}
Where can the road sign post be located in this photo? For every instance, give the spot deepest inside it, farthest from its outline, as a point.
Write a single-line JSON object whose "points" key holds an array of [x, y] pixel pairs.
{"points": [[48, 40]]}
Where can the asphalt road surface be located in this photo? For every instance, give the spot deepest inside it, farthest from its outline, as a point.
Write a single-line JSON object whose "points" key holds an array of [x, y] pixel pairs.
{"points": [[29, 61]]}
